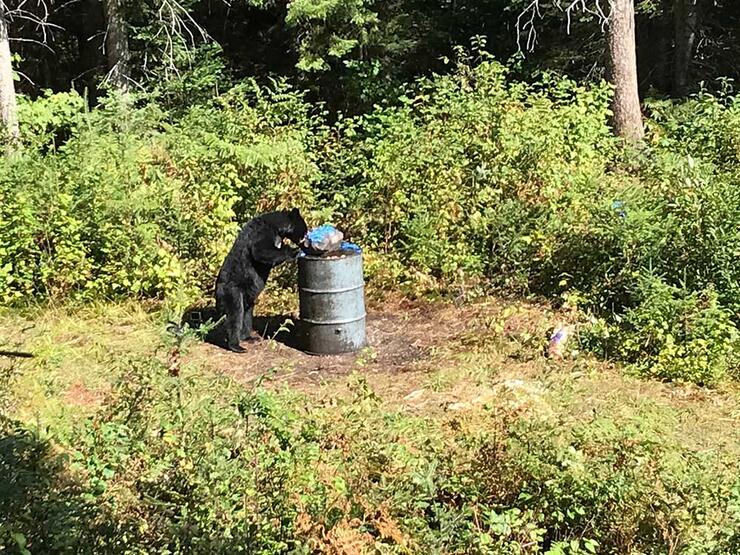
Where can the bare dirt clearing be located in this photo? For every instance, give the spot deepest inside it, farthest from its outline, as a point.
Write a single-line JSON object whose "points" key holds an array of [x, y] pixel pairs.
{"points": [[423, 358], [400, 339]]}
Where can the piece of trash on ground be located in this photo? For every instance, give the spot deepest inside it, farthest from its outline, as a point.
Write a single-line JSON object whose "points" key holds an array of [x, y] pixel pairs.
{"points": [[558, 340]]}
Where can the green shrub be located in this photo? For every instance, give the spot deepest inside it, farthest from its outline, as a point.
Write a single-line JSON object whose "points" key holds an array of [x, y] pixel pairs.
{"points": [[675, 334], [437, 178], [469, 181], [167, 466], [134, 204], [474, 176], [706, 127]]}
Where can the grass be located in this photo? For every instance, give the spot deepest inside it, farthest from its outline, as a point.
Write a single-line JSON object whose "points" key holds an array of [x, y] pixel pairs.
{"points": [[77, 351], [74, 351], [387, 420]]}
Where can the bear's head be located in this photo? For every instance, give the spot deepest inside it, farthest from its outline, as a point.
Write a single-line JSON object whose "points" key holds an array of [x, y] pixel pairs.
{"points": [[297, 227]]}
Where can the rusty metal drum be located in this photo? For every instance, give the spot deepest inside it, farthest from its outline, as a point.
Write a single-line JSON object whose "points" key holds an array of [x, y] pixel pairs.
{"points": [[331, 293]]}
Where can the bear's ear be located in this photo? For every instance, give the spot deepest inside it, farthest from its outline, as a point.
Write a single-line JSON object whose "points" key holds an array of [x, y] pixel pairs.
{"points": [[295, 212]]}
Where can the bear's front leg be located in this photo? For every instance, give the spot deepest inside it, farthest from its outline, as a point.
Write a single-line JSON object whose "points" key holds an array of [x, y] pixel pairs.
{"points": [[272, 253]]}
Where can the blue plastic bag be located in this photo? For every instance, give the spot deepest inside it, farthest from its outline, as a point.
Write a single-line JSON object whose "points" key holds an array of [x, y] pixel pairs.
{"points": [[326, 239], [323, 239], [347, 246]]}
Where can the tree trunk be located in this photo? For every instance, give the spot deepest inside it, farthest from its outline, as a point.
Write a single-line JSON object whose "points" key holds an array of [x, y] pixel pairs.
{"points": [[116, 44], [623, 70], [685, 35], [90, 47], [666, 46], [8, 108]]}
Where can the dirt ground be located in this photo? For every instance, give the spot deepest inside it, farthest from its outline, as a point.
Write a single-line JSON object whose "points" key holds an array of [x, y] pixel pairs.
{"points": [[400, 338], [408, 341]]}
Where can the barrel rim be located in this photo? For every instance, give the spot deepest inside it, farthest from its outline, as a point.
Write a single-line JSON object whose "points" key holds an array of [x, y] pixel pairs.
{"points": [[351, 254]]}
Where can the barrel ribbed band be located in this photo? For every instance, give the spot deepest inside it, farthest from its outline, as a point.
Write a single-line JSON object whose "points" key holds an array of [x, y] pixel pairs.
{"points": [[326, 291], [334, 322]]}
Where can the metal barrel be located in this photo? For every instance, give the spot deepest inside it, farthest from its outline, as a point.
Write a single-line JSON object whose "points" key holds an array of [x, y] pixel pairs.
{"points": [[332, 303]]}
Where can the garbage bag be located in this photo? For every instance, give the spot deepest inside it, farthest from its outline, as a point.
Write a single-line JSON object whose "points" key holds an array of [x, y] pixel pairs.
{"points": [[323, 239], [347, 246]]}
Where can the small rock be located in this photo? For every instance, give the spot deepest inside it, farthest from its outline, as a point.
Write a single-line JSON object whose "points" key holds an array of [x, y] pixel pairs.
{"points": [[414, 395]]}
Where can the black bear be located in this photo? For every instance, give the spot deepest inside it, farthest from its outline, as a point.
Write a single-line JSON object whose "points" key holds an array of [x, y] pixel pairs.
{"points": [[257, 250]]}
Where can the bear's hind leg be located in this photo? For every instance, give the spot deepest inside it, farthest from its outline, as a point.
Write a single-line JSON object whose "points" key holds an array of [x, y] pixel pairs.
{"points": [[232, 302], [247, 323]]}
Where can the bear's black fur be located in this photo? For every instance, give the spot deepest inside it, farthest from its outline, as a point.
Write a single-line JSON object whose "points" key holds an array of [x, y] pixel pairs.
{"points": [[257, 250]]}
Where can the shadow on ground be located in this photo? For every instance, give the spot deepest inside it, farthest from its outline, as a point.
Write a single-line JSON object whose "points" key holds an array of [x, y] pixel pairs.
{"points": [[401, 338], [283, 328], [41, 508], [15, 354]]}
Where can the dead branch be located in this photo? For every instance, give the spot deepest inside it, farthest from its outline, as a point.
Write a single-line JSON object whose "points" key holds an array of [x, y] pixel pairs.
{"points": [[177, 26], [35, 12], [525, 22]]}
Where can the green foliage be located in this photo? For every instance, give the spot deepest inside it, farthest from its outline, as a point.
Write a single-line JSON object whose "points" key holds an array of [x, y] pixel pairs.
{"points": [[676, 335], [432, 176], [201, 76], [331, 29], [167, 466], [135, 204], [50, 119], [470, 180], [598, 488]]}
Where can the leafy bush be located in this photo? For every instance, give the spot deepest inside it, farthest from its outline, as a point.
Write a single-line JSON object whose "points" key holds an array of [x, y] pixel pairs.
{"points": [[704, 127], [597, 488], [677, 335], [470, 180], [436, 179], [133, 204], [168, 466], [521, 184]]}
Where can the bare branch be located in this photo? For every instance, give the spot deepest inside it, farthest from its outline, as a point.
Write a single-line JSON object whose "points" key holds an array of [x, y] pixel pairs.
{"points": [[32, 41], [525, 23], [114, 74], [26, 77], [583, 6], [177, 25], [35, 12], [533, 11]]}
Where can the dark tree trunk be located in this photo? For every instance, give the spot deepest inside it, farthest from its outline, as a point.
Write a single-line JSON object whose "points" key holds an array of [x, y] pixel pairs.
{"points": [[654, 38], [8, 107], [116, 44], [684, 38], [623, 70], [90, 46], [666, 47]]}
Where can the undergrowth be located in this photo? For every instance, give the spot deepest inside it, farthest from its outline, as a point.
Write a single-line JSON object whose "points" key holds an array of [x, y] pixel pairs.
{"points": [[469, 182], [167, 465]]}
